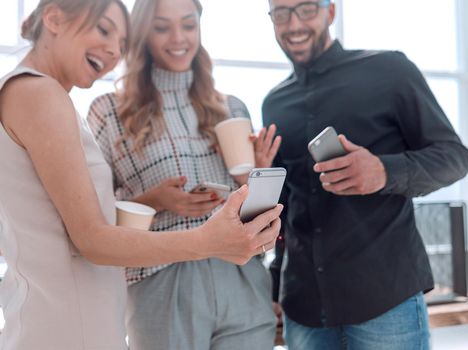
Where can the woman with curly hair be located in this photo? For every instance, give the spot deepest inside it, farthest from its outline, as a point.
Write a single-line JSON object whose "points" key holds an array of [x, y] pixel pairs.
{"points": [[157, 134]]}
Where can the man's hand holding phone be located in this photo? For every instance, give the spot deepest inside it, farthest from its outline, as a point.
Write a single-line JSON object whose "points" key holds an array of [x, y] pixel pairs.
{"points": [[359, 172]]}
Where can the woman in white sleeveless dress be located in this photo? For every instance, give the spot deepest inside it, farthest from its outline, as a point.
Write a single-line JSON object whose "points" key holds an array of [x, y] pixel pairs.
{"points": [[61, 291]]}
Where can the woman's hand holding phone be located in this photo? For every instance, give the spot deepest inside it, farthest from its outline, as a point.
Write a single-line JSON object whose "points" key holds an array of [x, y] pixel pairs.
{"points": [[265, 186], [169, 195], [220, 190], [235, 242]]}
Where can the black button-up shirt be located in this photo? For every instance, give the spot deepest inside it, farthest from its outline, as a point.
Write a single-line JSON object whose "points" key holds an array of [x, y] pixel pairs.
{"points": [[351, 258]]}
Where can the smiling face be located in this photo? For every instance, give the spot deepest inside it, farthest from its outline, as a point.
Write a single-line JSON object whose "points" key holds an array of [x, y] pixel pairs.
{"points": [[174, 39], [88, 54], [304, 40]]}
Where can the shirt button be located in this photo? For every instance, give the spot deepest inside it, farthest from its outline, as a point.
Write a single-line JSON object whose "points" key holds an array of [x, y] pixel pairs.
{"points": [[318, 230], [313, 191], [320, 269]]}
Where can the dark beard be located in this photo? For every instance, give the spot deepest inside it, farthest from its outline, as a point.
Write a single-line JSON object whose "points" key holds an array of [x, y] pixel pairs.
{"points": [[316, 50]]}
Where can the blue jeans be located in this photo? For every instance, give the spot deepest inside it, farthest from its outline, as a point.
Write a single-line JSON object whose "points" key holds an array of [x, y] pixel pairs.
{"points": [[404, 327]]}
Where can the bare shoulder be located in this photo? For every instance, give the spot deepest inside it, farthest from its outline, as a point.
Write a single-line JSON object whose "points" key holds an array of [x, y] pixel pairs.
{"points": [[28, 92], [36, 107]]}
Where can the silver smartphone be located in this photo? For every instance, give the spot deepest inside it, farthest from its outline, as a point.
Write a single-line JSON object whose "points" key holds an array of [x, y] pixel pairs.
{"points": [[326, 146], [205, 187], [265, 185]]}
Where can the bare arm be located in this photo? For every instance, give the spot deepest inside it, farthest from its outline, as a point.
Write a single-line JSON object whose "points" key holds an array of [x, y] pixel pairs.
{"points": [[45, 125]]}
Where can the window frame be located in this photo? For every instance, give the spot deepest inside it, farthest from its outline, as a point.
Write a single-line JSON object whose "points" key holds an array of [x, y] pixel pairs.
{"points": [[18, 49], [462, 77]]}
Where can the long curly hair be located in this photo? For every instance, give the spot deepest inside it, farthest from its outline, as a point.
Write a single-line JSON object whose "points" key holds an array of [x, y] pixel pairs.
{"points": [[140, 105]]}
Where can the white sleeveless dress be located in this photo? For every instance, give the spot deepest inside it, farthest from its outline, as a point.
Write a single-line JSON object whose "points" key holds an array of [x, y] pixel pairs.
{"points": [[52, 298]]}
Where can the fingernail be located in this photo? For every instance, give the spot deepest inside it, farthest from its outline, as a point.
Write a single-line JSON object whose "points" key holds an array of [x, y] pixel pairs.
{"points": [[214, 196]]}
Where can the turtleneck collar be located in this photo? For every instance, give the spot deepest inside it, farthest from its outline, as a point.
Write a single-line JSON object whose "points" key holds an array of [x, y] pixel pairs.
{"points": [[166, 80], [320, 65]]}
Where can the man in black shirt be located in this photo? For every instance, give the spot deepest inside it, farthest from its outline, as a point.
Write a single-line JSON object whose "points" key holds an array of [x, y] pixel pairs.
{"points": [[354, 265]]}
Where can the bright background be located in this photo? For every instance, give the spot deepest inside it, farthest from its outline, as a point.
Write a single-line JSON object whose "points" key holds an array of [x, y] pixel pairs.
{"points": [[248, 62]]}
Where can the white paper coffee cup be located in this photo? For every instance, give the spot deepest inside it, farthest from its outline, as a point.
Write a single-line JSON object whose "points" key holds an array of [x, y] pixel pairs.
{"points": [[238, 151], [134, 215]]}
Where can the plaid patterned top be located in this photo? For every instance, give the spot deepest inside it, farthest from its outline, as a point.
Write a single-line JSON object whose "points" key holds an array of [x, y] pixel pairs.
{"points": [[179, 151]]}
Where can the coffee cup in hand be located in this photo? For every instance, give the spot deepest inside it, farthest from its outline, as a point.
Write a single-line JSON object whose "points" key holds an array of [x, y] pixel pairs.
{"points": [[237, 148]]}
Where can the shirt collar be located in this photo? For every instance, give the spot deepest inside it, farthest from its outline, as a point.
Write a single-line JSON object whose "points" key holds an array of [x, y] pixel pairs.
{"points": [[320, 65], [165, 80]]}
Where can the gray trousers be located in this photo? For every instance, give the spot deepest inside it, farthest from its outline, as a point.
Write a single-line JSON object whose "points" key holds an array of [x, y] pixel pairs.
{"points": [[202, 305]]}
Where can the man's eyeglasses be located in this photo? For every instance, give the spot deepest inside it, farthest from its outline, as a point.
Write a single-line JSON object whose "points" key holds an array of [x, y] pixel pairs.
{"points": [[304, 11]]}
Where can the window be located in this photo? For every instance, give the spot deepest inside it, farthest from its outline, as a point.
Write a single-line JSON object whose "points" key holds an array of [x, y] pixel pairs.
{"points": [[442, 226], [432, 34], [425, 30], [8, 18], [248, 62]]}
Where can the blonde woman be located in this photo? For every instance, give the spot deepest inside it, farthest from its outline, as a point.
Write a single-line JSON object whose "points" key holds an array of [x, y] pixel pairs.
{"points": [[56, 196], [157, 135]]}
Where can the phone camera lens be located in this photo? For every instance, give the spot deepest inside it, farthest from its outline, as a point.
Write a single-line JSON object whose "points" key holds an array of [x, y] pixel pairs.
{"points": [[258, 173]]}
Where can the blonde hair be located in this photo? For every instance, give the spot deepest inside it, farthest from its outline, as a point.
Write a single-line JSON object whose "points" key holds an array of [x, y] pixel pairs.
{"points": [[31, 28], [139, 101]]}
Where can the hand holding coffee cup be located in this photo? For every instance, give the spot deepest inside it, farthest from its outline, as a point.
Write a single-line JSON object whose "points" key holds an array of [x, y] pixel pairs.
{"points": [[134, 215], [236, 146]]}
